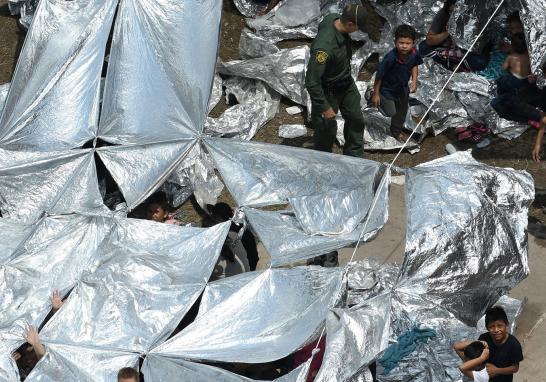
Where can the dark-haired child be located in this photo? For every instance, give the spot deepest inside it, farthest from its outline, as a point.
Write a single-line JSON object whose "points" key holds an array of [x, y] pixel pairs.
{"points": [[474, 355], [158, 209], [391, 88], [505, 352]]}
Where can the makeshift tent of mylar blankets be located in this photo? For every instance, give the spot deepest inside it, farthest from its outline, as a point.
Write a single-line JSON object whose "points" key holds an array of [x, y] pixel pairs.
{"points": [[330, 196], [132, 280]]}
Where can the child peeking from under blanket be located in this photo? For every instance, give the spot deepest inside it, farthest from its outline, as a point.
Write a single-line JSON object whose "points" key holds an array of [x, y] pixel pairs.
{"points": [[474, 355]]}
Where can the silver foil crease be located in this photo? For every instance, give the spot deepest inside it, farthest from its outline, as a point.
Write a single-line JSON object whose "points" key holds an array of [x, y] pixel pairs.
{"points": [[57, 253], [13, 234], [158, 84], [216, 93], [354, 338], [252, 46], [259, 174], [368, 278], [292, 131], [10, 340], [32, 183], [534, 22], [258, 104], [291, 303], [283, 71], [157, 368], [53, 102], [466, 242], [468, 19], [148, 277], [150, 165], [505, 128], [4, 89], [76, 363]]}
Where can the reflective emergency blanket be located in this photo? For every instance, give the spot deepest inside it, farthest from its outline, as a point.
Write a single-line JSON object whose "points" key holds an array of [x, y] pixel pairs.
{"points": [[53, 102], [291, 304], [148, 277], [54, 256], [4, 88], [139, 169], [283, 71], [466, 237], [355, 336], [534, 22], [13, 234], [259, 174], [158, 86], [32, 183], [158, 368]]}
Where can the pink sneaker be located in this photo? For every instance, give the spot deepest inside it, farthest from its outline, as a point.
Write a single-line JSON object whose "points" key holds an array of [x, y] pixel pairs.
{"points": [[534, 124]]}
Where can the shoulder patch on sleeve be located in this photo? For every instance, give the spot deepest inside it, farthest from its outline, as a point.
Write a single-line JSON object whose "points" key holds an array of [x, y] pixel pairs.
{"points": [[321, 57]]}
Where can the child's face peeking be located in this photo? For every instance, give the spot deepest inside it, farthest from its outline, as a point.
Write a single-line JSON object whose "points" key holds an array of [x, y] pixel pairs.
{"points": [[498, 330], [156, 213], [404, 45]]}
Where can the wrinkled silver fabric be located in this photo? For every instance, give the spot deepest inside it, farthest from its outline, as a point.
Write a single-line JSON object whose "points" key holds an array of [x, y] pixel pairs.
{"points": [[32, 183], [291, 304], [283, 71], [77, 363], [156, 89], [258, 104], [354, 338], [148, 277], [140, 169], [292, 131], [368, 278], [216, 93], [13, 234], [252, 46], [53, 102], [466, 221], [418, 14], [156, 368], [56, 254], [4, 88], [468, 19], [286, 241], [10, 340], [534, 21], [259, 174], [505, 128]]}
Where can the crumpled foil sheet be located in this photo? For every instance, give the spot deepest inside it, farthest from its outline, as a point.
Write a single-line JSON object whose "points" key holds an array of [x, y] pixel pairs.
{"points": [[258, 104], [197, 175], [148, 277], [513, 308], [56, 254], [252, 46], [534, 22], [77, 363], [259, 174], [13, 234], [291, 303], [504, 128], [368, 278], [156, 368], [291, 131], [354, 338], [216, 93], [150, 165], [283, 71], [53, 103], [466, 227], [4, 88], [10, 340], [156, 90], [32, 183]]}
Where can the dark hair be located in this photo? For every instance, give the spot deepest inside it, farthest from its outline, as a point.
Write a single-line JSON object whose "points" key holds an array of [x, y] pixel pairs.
{"points": [[210, 220], [495, 313], [518, 43], [354, 13], [128, 372], [513, 17], [221, 210], [405, 30], [227, 253], [474, 350], [159, 198]]}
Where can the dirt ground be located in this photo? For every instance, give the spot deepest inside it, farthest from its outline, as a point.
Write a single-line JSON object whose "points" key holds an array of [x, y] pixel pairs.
{"points": [[502, 153]]}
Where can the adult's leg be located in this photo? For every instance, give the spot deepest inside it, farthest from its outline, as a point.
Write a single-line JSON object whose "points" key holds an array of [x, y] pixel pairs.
{"points": [[534, 96], [325, 129], [353, 131], [476, 62], [397, 121], [387, 107]]}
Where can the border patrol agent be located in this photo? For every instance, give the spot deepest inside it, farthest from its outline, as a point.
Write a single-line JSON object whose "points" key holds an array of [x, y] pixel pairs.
{"points": [[330, 85]]}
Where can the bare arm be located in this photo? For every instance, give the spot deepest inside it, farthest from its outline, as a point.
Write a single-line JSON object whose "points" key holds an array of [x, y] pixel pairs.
{"points": [[376, 96], [538, 143], [493, 371], [459, 347], [506, 63], [434, 39], [414, 74], [467, 367], [31, 336]]}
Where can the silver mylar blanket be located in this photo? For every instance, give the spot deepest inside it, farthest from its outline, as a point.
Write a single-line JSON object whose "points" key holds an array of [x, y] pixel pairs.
{"points": [[291, 305], [534, 21], [466, 242], [355, 336], [13, 234], [157, 368], [32, 183], [259, 174], [53, 102], [159, 80], [148, 277], [54, 256]]}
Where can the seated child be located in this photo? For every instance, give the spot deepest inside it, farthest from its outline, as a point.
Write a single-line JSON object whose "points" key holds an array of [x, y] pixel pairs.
{"points": [[158, 209], [518, 66], [505, 352], [391, 89], [474, 354]]}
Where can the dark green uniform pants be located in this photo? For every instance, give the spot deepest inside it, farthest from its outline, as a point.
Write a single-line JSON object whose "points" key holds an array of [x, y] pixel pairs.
{"points": [[346, 100]]}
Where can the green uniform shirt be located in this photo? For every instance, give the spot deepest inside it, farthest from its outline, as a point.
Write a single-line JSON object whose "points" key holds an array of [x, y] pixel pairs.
{"points": [[330, 61]]}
